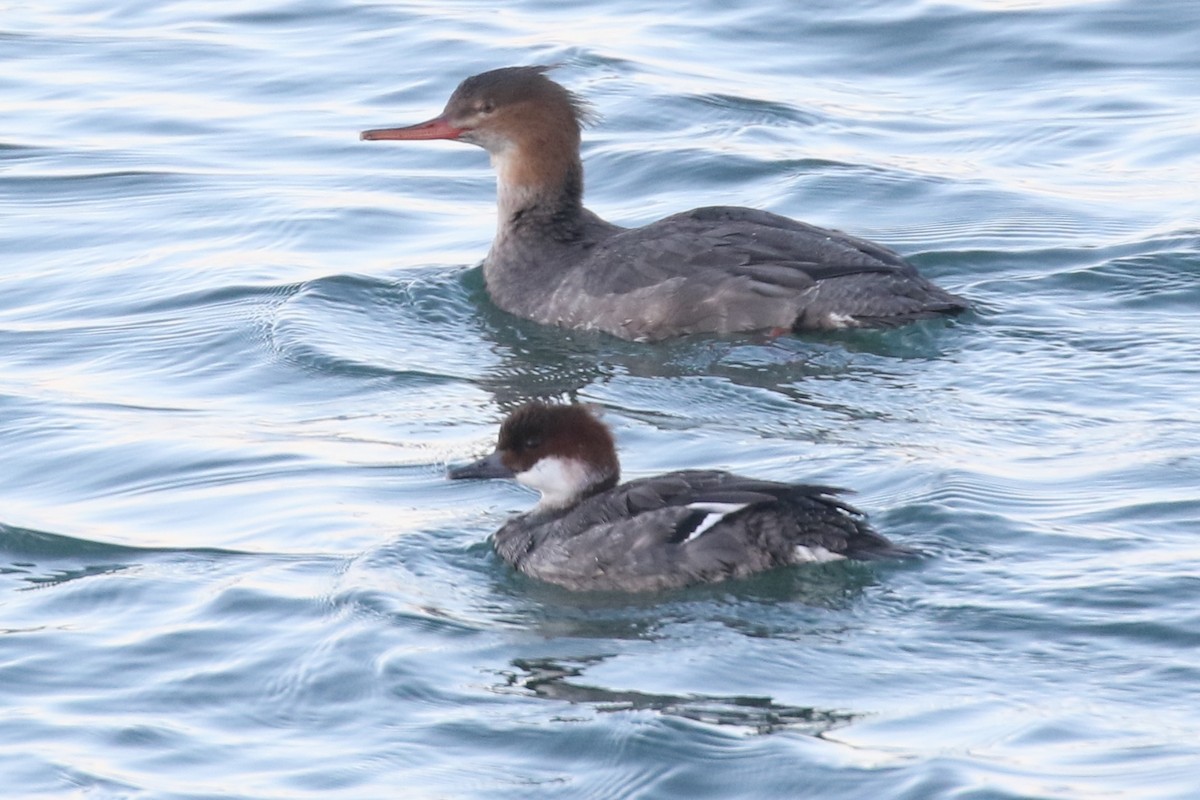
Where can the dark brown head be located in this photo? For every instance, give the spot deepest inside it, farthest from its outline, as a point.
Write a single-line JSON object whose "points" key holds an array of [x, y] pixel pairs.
{"points": [[563, 451]]}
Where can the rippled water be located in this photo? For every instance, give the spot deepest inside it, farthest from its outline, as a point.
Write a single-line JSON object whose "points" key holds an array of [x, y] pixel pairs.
{"points": [[240, 347]]}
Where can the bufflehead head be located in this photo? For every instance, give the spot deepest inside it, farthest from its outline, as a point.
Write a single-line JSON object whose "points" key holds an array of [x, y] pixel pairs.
{"points": [[563, 451]]}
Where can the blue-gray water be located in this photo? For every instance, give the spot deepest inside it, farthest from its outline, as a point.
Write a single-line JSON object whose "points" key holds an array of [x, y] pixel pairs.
{"points": [[238, 348]]}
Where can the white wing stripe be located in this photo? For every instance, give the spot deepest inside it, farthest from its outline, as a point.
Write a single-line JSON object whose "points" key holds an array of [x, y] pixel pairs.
{"points": [[716, 513]]}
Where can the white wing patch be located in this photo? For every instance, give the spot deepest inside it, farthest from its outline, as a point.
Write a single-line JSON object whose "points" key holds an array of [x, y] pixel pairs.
{"points": [[716, 513], [815, 555], [840, 321]]}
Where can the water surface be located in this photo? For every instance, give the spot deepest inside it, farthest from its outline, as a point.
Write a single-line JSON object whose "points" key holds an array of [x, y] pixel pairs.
{"points": [[240, 348]]}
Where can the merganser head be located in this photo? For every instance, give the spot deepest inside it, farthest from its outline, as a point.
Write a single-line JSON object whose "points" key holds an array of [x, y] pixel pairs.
{"points": [[529, 125], [563, 451], [499, 108]]}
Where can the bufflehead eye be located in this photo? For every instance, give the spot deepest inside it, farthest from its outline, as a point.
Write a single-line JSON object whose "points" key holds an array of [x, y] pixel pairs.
{"points": [[531, 442]]}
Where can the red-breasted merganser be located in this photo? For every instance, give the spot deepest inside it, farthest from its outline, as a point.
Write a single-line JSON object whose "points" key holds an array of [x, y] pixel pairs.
{"points": [[720, 269], [664, 532]]}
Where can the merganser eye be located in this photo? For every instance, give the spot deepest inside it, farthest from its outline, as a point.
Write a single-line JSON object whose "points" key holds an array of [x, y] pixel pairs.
{"points": [[487, 107]]}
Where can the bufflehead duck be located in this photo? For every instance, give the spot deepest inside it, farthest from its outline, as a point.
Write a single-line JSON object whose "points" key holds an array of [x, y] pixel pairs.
{"points": [[664, 532], [720, 269]]}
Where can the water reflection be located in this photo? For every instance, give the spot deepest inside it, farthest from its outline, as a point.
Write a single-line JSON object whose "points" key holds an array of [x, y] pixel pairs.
{"points": [[438, 324], [552, 679]]}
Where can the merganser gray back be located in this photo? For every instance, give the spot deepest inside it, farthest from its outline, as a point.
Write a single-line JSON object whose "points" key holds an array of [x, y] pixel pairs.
{"points": [[710, 270], [663, 532]]}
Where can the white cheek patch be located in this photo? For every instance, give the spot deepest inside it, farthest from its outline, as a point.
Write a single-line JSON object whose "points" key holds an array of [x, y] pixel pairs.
{"points": [[716, 513], [815, 555], [560, 480]]}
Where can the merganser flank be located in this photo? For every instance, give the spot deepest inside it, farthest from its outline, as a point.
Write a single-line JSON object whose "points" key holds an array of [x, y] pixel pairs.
{"points": [[663, 532], [720, 269]]}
